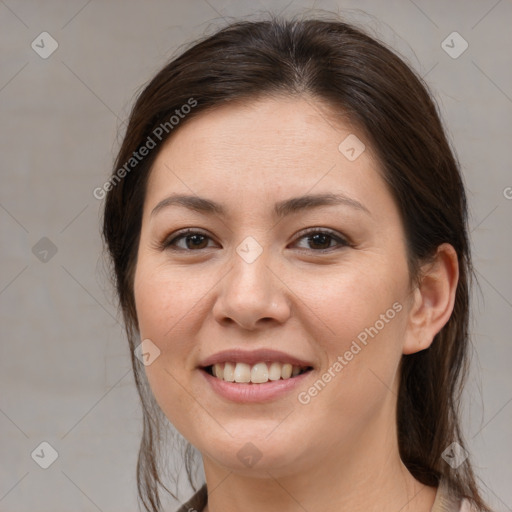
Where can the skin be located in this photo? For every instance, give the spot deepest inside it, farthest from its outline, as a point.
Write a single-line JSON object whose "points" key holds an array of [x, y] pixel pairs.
{"points": [[338, 452]]}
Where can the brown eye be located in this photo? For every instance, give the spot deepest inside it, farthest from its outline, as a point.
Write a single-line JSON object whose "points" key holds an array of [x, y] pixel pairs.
{"points": [[193, 240], [196, 241], [320, 241]]}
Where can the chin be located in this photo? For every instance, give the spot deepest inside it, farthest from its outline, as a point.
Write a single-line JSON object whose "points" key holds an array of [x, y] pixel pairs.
{"points": [[253, 455]]}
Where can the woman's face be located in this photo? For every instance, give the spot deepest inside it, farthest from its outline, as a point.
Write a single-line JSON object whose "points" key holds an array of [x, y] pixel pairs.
{"points": [[325, 284]]}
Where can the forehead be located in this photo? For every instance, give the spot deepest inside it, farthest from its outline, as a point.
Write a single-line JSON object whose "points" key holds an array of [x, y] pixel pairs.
{"points": [[264, 128], [268, 149]]}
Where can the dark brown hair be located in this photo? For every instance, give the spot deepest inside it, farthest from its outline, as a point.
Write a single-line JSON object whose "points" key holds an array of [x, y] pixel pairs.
{"points": [[355, 76]]}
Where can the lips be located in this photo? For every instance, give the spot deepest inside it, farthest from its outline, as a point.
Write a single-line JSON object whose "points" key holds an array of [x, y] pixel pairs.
{"points": [[250, 392]]}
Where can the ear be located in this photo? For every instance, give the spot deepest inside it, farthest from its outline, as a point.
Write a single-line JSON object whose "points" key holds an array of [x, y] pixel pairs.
{"points": [[433, 300]]}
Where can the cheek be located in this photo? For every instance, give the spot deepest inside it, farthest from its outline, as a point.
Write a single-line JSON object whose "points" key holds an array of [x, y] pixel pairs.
{"points": [[348, 303], [165, 300], [360, 326], [166, 303]]}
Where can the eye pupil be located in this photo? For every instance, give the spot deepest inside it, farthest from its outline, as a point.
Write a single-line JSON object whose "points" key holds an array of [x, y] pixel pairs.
{"points": [[321, 239], [196, 239]]}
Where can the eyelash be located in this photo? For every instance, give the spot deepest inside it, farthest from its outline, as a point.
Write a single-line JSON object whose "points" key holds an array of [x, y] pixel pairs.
{"points": [[169, 242]]}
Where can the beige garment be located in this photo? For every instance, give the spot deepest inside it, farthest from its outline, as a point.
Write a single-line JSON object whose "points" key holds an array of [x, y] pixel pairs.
{"points": [[445, 501]]}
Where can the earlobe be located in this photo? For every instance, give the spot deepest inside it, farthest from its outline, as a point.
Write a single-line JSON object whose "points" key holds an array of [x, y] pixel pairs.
{"points": [[433, 300]]}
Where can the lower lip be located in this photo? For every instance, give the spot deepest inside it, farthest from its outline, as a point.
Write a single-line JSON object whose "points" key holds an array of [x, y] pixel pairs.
{"points": [[249, 393]]}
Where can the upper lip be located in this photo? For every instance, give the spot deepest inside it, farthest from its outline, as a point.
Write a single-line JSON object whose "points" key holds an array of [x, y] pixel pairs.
{"points": [[252, 357]]}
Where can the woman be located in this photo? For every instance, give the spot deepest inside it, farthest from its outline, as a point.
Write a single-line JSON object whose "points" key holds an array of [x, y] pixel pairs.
{"points": [[287, 226]]}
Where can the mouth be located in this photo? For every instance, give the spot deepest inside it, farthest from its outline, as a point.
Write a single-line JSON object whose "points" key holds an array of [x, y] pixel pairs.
{"points": [[259, 373]]}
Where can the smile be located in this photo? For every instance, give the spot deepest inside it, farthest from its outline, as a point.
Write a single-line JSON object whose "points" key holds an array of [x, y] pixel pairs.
{"points": [[258, 373]]}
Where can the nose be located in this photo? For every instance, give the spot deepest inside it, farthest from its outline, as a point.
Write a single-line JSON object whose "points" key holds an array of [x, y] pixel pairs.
{"points": [[252, 294]]}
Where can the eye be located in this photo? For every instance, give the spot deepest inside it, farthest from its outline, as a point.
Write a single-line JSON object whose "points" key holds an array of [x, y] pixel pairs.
{"points": [[192, 240], [322, 239]]}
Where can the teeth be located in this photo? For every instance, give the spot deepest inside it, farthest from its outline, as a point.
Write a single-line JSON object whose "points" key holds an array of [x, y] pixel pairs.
{"points": [[228, 373], [286, 371], [218, 371], [257, 374], [242, 372], [274, 372]]}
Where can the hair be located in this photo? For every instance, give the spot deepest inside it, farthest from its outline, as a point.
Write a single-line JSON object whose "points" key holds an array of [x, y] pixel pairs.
{"points": [[358, 77]]}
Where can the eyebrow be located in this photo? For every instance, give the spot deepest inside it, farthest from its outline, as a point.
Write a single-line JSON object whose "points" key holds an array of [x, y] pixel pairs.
{"points": [[281, 208]]}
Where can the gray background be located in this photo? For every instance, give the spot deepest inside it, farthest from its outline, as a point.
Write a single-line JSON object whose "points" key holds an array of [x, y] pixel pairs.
{"points": [[65, 370]]}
